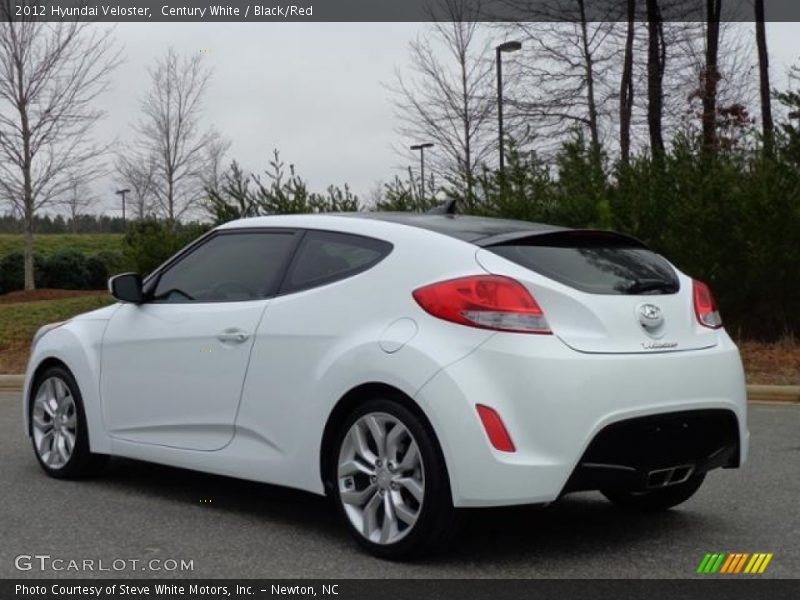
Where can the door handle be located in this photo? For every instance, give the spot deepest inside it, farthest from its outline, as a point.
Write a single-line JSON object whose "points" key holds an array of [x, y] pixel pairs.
{"points": [[233, 336]]}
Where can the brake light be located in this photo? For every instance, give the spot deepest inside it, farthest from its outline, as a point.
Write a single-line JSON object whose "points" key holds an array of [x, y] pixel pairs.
{"points": [[705, 307], [484, 301], [495, 429]]}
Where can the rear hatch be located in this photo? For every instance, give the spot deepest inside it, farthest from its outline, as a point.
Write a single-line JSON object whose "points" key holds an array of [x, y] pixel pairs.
{"points": [[602, 292]]}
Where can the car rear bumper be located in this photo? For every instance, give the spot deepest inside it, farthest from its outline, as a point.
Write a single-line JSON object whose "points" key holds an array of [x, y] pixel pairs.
{"points": [[558, 406]]}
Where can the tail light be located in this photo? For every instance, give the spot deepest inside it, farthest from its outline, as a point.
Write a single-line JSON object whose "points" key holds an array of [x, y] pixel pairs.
{"points": [[485, 301], [705, 307], [495, 429]]}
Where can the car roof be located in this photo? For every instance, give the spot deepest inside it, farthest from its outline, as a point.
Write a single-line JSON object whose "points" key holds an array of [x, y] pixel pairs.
{"points": [[477, 230]]}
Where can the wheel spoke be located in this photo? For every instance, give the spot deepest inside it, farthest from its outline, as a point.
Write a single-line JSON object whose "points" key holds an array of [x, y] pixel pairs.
{"points": [[404, 513], [358, 497], [410, 460], [61, 446], [413, 486], [389, 527], [71, 421], [46, 443], [360, 444], [41, 423], [69, 442], [43, 402], [353, 466], [60, 391], [393, 439], [370, 516], [378, 434]]}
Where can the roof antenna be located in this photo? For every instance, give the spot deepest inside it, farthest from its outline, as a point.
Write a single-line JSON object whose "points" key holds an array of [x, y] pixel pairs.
{"points": [[448, 207]]}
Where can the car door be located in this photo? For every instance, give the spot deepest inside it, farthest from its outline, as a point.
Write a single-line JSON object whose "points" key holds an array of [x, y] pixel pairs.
{"points": [[173, 366]]}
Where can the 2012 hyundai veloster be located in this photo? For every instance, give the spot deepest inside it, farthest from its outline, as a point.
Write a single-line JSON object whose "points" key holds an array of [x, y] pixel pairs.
{"points": [[404, 365]]}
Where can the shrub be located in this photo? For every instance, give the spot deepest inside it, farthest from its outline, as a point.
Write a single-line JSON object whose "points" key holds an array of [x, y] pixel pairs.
{"points": [[101, 266], [66, 270], [149, 243], [12, 272]]}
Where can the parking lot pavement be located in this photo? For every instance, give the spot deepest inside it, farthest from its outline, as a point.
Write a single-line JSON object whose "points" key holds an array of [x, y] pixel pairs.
{"points": [[232, 528]]}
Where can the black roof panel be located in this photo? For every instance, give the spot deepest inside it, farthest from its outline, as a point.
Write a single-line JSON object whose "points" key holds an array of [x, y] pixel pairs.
{"points": [[463, 227]]}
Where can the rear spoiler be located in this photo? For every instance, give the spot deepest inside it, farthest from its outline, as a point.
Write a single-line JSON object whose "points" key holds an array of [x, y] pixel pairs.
{"points": [[585, 238]]}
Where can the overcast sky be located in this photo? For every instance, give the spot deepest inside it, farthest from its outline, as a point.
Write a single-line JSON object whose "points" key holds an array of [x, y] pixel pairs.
{"points": [[315, 91]]}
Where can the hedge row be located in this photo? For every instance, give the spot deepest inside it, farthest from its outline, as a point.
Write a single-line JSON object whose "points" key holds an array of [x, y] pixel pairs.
{"points": [[65, 269]]}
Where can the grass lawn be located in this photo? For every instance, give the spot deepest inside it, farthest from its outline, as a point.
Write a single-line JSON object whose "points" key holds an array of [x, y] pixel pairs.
{"points": [[22, 313], [46, 244], [19, 320]]}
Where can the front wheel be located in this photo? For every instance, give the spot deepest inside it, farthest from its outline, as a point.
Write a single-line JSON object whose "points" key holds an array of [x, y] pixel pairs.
{"points": [[658, 499], [58, 427], [389, 481]]}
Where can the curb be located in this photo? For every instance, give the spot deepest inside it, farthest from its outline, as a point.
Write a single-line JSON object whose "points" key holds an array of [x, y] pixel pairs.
{"points": [[11, 383], [789, 394], [774, 393]]}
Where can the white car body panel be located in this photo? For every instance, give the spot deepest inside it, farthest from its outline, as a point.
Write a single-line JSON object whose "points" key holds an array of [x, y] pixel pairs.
{"points": [[159, 386]]}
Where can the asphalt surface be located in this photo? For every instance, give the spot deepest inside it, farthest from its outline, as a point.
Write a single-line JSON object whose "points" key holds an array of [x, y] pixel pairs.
{"points": [[247, 530]]}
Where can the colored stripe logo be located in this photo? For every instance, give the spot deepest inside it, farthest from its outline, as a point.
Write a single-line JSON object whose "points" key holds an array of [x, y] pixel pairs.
{"points": [[734, 563]]}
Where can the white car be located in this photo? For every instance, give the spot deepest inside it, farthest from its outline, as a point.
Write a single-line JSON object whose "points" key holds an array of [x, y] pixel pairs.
{"points": [[405, 365]]}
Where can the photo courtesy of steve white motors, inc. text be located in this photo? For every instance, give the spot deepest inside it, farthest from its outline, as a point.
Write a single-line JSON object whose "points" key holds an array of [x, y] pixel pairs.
{"points": [[67, 11], [170, 589]]}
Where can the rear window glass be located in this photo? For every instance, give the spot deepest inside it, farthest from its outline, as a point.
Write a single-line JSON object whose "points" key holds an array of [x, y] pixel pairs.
{"points": [[594, 263], [326, 256]]}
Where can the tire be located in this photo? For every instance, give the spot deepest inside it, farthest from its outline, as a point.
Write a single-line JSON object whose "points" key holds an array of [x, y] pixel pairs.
{"points": [[58, 427], [656, 500], [407, 478]]}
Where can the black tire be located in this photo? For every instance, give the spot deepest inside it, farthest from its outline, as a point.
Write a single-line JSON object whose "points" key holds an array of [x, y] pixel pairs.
{"points": [[436, 515], [656, 500], [82, 462]]}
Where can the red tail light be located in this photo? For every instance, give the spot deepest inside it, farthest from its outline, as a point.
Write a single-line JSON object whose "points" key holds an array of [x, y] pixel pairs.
{"points": [[705, 307], [495, 429], [485, 301]]}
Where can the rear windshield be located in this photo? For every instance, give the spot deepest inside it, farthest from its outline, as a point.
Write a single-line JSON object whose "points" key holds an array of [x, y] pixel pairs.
{"points": [[593, 262]]}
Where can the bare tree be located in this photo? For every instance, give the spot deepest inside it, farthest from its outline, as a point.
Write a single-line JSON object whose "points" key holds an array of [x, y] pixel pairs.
{"points": [[711, 74], [50, 76], [566, 72], [656, 65], [139, 177], [626, 87], [77, 199], [767, 124], [450, 104], [170, 135]]}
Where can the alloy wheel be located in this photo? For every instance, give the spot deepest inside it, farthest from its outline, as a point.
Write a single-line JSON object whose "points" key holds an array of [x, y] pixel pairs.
{"points": [[380, 477], [54, 423]]}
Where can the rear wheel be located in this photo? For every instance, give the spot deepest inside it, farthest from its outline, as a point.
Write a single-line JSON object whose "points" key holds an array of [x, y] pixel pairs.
{"points": [[656, 500], [58, 427], [389, 481]]}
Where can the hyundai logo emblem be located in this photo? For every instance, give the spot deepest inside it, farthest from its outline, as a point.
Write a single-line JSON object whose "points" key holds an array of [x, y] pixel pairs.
{"points": [[651, 313]]}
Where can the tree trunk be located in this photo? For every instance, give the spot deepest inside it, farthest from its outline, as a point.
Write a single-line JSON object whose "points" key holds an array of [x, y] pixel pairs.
{"points": [[626, 88], [27, 200], [467, 133], [711, 75], [767, 123], [655, 77], [590, 98]]}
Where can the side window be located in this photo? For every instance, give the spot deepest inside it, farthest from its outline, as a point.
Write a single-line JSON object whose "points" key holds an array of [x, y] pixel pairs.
{"points": [[325, 257], [229, 267]]}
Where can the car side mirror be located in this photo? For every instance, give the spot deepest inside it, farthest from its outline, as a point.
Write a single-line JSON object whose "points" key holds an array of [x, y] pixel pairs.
{"points": [[127, 287]]}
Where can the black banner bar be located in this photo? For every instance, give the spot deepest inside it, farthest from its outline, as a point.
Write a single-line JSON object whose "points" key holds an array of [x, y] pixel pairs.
{"points": [[376, 10], [714, 588]]}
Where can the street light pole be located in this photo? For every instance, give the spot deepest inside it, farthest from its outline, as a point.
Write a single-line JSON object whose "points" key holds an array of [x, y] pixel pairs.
{"points": [[421, 148], [505, 47], [122, 193]]}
